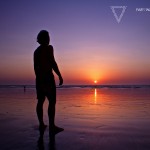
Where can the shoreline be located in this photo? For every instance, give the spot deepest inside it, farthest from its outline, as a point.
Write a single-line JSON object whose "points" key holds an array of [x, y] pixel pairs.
{"points": [[80, 86]]}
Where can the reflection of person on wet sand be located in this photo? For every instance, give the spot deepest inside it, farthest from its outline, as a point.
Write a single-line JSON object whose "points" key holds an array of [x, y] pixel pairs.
{"points": [[40, 142], [44, 65]]}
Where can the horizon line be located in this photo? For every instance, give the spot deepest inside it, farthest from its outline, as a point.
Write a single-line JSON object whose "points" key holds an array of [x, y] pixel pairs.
{"points": [[80, 86]]}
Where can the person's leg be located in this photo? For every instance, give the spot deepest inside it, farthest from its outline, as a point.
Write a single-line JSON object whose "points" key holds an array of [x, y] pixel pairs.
{"points": [[51, 113], [39, 111], [51, 107], [52, 127]]}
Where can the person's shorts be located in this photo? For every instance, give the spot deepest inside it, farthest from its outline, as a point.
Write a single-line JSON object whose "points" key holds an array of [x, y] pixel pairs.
{"points": [[46, 89]]}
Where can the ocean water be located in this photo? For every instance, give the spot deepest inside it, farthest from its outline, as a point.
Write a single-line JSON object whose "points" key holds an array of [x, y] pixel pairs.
{"points": [[93, 118]]}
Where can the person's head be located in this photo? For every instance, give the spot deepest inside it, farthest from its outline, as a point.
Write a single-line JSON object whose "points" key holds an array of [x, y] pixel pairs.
{"points": [[43, 37]]}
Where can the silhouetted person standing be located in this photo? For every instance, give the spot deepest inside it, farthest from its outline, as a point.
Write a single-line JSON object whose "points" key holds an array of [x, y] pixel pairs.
{"points": [[44, 65]]}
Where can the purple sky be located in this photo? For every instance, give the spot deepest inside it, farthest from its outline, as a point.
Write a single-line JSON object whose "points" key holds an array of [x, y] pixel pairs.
{"points": [[89, 44]]}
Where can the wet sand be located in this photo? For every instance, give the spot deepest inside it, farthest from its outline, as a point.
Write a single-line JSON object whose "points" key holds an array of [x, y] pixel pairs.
{"points": [[93, 119]]}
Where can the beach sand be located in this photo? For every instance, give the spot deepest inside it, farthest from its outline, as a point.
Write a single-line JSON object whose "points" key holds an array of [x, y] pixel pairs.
{"points": [[93, 119]]}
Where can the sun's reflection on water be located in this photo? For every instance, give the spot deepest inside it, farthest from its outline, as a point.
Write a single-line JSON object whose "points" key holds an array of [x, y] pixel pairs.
{"points": [[95, 96]]}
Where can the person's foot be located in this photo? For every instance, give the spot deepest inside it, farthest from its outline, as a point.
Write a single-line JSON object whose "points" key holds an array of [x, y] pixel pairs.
{"points": [[55, 130], [58, 129]]}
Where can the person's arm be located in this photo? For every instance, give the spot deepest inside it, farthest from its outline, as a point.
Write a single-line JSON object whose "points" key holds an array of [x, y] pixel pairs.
{"points": [[35, 64], [56, 69], [37, 68]]}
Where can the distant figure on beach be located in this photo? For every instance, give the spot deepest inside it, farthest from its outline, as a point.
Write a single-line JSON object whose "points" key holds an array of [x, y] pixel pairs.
{"points": [[44, 65], [24, 87]]}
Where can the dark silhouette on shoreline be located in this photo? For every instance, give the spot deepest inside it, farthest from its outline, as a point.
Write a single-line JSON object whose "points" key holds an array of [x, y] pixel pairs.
{"points": [[24, 88], [44, 65]]}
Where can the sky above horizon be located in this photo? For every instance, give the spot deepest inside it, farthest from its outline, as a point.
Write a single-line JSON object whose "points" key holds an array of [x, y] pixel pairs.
{"points": [[89, 44]]}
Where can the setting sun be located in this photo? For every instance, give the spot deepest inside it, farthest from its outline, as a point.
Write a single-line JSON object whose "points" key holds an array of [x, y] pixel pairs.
{"points": [[95, 81]]}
